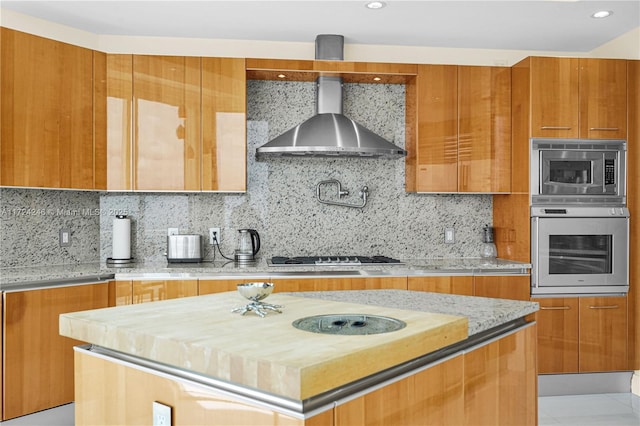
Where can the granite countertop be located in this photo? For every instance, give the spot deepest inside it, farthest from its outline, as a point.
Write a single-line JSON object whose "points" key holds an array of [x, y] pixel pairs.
{"points": [[25, 276], [483, 313], [201, 335]]}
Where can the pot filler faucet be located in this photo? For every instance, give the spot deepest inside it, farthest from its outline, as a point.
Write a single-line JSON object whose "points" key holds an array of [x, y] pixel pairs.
{"points": [[364, 193]]}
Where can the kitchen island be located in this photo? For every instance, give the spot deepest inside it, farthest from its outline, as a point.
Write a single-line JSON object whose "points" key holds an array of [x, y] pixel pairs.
{"points": [[459, 359]]}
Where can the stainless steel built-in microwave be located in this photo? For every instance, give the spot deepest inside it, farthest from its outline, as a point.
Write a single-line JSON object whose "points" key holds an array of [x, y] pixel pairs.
{"points": [[578, 171]]}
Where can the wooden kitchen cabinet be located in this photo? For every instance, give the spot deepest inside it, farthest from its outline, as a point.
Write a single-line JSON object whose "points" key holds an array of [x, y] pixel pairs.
{"points": [[463, 124], [125, 397], [46, 113], [434, 396], [462, 285], [577, 97], [582, 334], [557, 335], [436, 150], [603, 334], [491, 384], [515, 287], [37, 361], [333, 284], [633, 203], [500, 381], [166, 136], [120, 293], [603, 99], [175, 123], [152, 291], [224, 140], [219, 286]]}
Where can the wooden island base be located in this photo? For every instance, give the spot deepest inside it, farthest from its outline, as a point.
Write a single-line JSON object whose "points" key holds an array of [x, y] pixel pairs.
{"points": [[491, 383]]}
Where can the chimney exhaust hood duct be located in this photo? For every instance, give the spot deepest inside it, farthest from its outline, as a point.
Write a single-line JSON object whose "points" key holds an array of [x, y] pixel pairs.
{"points": [[329, 133]]}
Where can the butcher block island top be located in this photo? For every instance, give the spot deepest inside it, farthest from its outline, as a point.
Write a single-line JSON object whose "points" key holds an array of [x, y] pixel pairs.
{"points": [[201, 334]]}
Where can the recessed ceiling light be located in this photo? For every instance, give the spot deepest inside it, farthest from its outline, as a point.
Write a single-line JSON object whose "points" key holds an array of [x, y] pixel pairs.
{"points": [[375, 4], [376, 79], [602, 14], [281, 76]]}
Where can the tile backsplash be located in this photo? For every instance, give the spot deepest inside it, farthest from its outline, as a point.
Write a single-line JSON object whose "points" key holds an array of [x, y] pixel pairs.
{"points": [[280, 201]]}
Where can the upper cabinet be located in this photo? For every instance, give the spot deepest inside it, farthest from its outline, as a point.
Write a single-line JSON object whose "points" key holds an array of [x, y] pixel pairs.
{"points": [[462, 140], [577, 98], [224, 140], [175, 123], [166, 117], [47, 113]]}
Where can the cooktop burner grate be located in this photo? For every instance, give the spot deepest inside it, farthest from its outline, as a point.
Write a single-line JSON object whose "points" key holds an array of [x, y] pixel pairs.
{"points": [[332, 260]]}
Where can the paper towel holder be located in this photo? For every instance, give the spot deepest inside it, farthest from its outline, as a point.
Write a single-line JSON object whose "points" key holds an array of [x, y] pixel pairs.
{"points": [[121, 262]]}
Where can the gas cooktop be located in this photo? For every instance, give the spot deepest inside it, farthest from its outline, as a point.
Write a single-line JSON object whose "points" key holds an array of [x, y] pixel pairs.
{"points": [[332, 261]]}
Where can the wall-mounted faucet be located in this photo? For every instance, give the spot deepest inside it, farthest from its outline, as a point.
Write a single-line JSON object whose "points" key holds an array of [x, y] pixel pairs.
{"points": [[364, 193]]}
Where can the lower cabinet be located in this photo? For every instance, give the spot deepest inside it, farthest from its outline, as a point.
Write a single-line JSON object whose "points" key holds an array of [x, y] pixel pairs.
{"points": [[516, 287], [128, 292], [582, 334], [38, 362], [492, 384], [328, 284], [557, 335], [111, 393], [603, 334], [219, 286], [461, 285], [152, 291]]}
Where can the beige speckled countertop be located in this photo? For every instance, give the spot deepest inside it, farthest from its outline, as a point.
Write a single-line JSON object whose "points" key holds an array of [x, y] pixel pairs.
{"points": [[202, 335], [11, 278]]}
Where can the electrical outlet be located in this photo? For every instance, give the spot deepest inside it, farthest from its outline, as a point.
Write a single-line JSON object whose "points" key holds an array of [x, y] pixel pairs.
{"points": [[216, 232], [173, 231], [64, 237], [449, 235], [161, 414]]}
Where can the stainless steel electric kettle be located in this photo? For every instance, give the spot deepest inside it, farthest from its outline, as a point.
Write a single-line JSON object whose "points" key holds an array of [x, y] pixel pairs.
{"points": [[248, 246]]}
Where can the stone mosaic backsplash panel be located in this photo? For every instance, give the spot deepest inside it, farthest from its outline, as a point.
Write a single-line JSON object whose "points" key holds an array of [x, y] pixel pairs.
{"points": [[30, 222], [281, 192]]}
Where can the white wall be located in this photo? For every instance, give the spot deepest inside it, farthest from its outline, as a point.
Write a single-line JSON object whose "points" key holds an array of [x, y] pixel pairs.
{"points": [[626, 46]]}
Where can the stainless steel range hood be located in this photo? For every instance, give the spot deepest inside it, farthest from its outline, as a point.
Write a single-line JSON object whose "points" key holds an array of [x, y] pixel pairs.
{"points": [[329, 133]]}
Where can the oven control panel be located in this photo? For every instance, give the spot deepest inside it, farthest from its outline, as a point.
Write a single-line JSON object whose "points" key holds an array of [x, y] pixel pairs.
{"points": [[579, 211]]}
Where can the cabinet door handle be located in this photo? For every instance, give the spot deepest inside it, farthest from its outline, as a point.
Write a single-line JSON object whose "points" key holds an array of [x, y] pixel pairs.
{"points": [[608, 129], [554, 308], [556, 128], [604, 307]]}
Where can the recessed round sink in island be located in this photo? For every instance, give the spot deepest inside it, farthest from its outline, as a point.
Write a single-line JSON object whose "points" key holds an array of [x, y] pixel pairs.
{"points": [[349, 324]]}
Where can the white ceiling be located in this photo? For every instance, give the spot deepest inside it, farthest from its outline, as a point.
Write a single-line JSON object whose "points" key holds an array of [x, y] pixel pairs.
{"points": [[560, 25]]}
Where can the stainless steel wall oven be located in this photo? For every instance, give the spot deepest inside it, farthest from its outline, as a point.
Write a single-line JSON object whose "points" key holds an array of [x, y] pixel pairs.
{"points": [[579, 250]]}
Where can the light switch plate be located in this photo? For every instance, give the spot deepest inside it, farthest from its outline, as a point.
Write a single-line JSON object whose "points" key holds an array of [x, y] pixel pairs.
{"points": [[64, 237], [161, 414], [449, 236]]}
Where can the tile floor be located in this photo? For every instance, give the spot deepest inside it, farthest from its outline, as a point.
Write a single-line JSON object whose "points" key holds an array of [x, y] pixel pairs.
{"points": [[611, 409]]}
